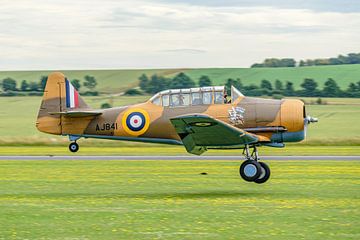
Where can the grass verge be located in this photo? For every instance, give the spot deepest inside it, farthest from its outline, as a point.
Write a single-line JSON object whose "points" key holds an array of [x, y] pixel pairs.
{"points": [[144, 149], [172, 200]]}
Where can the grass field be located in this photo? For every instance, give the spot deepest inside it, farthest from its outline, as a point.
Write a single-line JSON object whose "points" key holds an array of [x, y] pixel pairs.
{"points": [[172, 200], [111, 81], [110, 149], [18, 116], [114, 81], [343, 74]]}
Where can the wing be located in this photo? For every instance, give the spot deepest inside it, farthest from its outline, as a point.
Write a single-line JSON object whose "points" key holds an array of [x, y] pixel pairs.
{"points": [[198, 132]]}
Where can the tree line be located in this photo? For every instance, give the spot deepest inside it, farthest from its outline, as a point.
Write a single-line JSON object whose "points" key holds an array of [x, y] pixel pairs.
{"points": [[11, 88], [351, 58], [309, 87]]}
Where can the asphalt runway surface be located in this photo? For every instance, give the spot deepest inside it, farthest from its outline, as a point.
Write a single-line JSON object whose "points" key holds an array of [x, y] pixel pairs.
{"points": [[189, 157]]}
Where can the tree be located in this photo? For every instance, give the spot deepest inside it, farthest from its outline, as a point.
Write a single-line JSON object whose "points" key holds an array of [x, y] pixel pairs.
{"points": [[275, 62], [353, 87], [132, 92], [144, 82], [287, 62], [24, 85], [289, 89], [266, 84], [302, 63], [279, 85], [331, 89], [252, 90], [34, 86], [9, 84], [351, 58], [42, 83], [309, 87], [157, 84], [181, 80], [353, 90], [204, 81], [90, 82], [76, 83], [105, 105], [233, 82]]}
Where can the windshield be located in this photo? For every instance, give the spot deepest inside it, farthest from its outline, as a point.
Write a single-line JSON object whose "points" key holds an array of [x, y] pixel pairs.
{"points": [[235, 94]]}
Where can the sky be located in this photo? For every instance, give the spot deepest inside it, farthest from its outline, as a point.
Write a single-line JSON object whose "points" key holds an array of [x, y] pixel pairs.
{"points": [[127, 34]]}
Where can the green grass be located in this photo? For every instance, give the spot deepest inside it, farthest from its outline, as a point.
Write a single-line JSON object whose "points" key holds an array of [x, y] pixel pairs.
{"points": [[120, 148], [171, 200], [336, 123], [114, 81], [18, 116], [343, 74]]}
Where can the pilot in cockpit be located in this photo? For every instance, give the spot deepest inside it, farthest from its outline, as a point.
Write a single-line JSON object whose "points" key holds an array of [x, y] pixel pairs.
{"points": [[226, 100]]}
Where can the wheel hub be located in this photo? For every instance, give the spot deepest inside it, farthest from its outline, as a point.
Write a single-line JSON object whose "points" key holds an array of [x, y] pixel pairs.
{"points": [[250, 170]]}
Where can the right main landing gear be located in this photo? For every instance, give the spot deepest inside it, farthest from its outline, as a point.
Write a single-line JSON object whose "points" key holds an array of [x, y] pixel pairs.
{"points": [[74, 147], [251, 170]]}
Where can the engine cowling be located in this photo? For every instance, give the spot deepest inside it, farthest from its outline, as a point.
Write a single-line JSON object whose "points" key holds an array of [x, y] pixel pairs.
{"points": [[292, 117]]}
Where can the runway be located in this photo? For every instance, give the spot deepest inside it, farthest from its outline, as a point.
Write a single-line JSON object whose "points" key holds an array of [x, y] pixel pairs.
{"points": [[189, 157]]}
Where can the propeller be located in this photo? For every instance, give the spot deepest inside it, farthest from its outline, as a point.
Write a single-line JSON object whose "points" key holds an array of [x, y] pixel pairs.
{"points": [[310, 119]]}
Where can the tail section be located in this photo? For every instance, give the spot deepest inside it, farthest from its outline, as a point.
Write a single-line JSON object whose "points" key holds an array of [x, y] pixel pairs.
{"points": [[59, 96]]}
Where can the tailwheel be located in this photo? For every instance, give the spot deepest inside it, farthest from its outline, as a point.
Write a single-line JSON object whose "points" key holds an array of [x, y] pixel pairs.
{"points": [[74, 147], [250, 170], [265, 173]]}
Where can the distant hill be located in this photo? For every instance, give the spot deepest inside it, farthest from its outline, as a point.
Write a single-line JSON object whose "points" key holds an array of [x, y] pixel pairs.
{"points": [[113, 81]]}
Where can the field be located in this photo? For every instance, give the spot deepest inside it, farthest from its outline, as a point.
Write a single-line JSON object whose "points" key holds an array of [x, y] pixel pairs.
{"points": [[343, 74], [121, 149], [172, 200], [115, 81], [336, 126], [111, 81]]}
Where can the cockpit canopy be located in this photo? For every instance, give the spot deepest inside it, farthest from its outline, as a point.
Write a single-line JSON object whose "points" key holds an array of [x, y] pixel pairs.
{"points": [[193, 96]]}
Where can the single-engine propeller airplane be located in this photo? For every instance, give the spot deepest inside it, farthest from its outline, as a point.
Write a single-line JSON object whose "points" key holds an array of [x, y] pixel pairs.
{"points": [[198, 118]]}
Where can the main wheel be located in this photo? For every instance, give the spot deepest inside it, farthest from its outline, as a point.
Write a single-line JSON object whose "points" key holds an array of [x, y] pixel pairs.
{"points": [[265, 173], [250, 170], [74, 147]]}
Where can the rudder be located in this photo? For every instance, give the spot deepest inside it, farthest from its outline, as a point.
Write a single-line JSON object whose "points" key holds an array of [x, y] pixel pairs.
{"points": [[59, 96]]}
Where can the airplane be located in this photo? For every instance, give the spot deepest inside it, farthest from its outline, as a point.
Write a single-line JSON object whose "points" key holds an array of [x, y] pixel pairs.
{"points": [[197, 118]]}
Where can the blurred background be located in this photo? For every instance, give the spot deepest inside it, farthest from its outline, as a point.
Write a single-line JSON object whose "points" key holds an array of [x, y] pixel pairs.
{"points": [[122, 52]]}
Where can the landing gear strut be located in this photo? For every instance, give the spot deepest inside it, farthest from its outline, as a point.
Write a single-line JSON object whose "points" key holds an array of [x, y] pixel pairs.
{"points": [[251, 170], [74, 147]]}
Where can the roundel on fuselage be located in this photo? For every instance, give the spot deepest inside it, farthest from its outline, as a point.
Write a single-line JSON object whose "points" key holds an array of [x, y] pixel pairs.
{"points": [[135, 121]]}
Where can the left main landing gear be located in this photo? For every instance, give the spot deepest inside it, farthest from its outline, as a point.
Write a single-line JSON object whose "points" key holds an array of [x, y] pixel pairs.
{"points": [[251, 170]]}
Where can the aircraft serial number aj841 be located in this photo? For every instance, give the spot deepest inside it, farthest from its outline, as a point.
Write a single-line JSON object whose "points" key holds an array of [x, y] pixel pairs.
{"points": [[197, 118]]}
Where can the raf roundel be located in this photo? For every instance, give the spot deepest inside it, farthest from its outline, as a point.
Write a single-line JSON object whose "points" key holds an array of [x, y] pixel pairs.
{"points": [[135, 122]]}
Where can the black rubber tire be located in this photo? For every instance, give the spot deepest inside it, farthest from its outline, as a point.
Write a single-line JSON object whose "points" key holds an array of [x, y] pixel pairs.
{"points": [[253, 177], [74, 147], [265, 173]]}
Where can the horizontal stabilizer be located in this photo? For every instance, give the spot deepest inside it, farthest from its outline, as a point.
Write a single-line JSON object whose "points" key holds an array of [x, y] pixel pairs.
{"points": [[77, 113]]}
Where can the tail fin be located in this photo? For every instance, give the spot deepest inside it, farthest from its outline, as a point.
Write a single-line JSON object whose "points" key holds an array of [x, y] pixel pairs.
{"points": [[59, 96]]}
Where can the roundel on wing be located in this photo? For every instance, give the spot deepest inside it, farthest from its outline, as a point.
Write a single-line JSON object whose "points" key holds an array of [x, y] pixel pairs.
{"points": [[135, 121]]}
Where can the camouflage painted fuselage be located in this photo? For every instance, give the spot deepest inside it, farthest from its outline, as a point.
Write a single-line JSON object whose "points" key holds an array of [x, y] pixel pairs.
{"points": [[271, 121]]}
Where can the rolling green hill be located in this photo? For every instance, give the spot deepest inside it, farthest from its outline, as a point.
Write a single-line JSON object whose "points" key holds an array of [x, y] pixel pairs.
{"points": [[114, 81], [109, 81], [343, 74]]}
